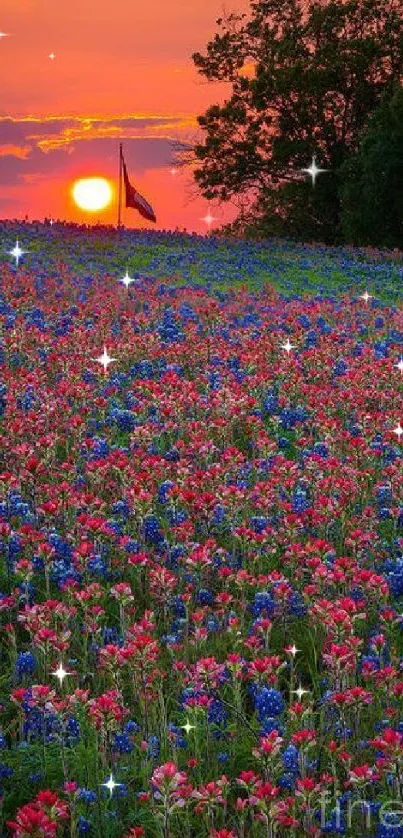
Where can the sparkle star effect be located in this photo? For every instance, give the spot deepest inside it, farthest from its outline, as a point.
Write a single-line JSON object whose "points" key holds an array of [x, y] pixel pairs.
{"points": [[60, 673], [127, 280], [3, 35], [111, 785], [313, 171], [188, 727], [399, 366], [287, 346], [104, 359], [208, 219], [52, 56], [292, 650], [398, 431], [300, 692], [17, 252], [173, 171], [366, 296]]}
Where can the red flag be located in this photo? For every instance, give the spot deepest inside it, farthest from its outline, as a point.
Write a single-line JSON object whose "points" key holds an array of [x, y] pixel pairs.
{"points": [[135, 200]]}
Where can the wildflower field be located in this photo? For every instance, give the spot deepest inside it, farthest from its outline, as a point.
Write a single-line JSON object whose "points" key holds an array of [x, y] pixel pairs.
{"points": [[201, 543]]}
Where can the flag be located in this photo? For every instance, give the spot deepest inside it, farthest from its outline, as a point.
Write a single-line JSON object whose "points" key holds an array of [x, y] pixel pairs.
{"points": [[134, 199]]}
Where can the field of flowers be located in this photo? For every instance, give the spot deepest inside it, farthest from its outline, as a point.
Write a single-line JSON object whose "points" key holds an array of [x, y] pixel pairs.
{"points": [[201, 546]]}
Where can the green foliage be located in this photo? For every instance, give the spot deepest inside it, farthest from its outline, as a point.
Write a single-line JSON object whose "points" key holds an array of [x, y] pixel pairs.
{"points": [[320, 70], [372, 180]]}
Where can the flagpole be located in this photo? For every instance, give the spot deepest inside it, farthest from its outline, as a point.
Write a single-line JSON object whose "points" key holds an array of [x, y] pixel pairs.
{"points": [[120, 187]]}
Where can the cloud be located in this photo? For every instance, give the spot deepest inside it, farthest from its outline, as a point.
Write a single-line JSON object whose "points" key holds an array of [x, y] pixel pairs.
{"points": [[15, 151], [36, 148], [60, 132]]}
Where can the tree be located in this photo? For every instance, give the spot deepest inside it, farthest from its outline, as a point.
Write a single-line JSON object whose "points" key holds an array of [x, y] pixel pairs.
{"points": [[372, 180], [320, 69]]}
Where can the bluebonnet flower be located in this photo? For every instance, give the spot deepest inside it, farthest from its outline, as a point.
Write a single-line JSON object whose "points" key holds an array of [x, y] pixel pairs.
{"points": [[62, 571], [111, 635], [219, 514], [25, 664], [263, 605], [258, 523], [176, 516], [176, 734], [99, 449], [297, 606], [384, 496], [168, 329], [132, 547], [171, 640], [173, 455], [14, 541], [163, 491], [340, 367], [212, 623], [124, 419], [152, 529], [357, 350], [300, 501], [3, 399], [115, 526], [5, 771], [321, 449], [311, 339], [97, 567], [178, 606], [84, 826], [269, 724], [290, 759], [144, 369], [72, 730], [204, 597], [290, 417], [268, 702], [391, 826], [122, 743], [393, 572], [121, 508], [214, 380], [335, 823], [87, 795], [154, 747], [287, 780]]}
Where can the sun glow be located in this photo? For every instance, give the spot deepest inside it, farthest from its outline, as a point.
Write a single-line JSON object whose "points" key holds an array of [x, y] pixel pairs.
{"points": [[92, 194]]}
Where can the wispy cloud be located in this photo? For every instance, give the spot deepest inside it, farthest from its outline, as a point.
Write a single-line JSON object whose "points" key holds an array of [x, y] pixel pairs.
{"points": [[62, 132], [43, 148], [11, 150]]}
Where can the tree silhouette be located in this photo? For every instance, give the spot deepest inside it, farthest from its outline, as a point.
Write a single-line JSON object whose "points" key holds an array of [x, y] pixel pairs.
{"points": [[372, 180], [320, 70]]}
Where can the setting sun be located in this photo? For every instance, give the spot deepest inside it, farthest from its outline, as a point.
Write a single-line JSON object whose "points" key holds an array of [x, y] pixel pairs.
{"points": [[92, 194]]}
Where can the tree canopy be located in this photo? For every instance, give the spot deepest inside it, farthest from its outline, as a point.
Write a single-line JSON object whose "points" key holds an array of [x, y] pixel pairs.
{"points": [[372, 180], [319, 70]]}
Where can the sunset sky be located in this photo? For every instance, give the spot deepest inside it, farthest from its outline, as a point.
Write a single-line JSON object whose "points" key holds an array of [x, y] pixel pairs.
{"points": [[122, 72]]}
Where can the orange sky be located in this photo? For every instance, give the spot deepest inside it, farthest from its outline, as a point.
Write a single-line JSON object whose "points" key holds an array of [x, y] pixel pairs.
{"points": [[122, 71]]}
